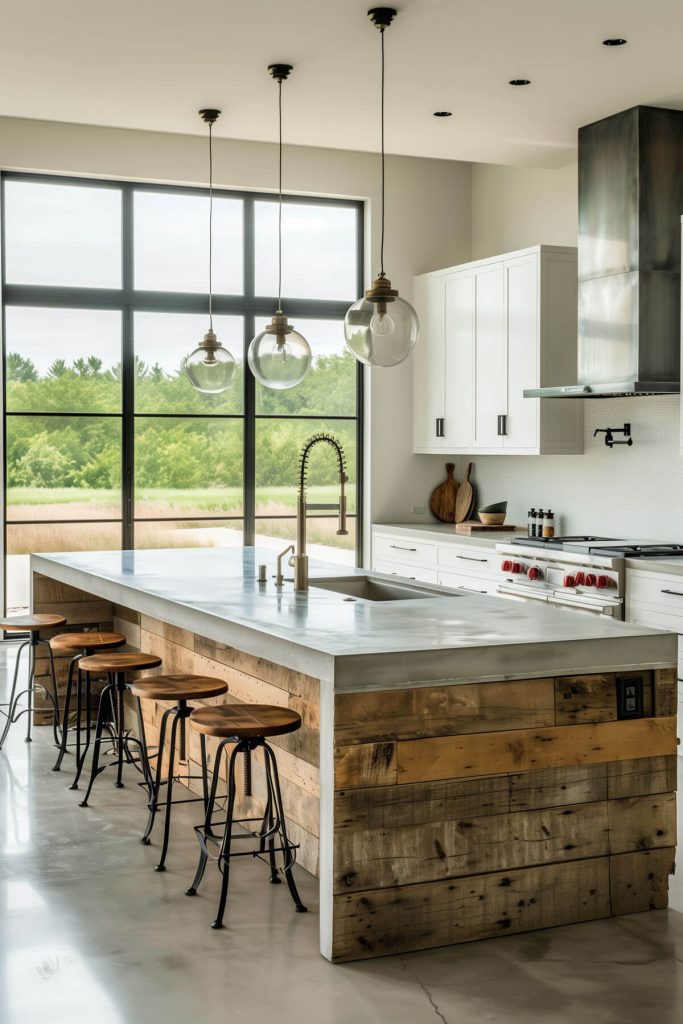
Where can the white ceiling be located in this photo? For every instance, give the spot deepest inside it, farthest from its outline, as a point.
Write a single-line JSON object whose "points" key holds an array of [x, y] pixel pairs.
{"points": [[153, 63]]}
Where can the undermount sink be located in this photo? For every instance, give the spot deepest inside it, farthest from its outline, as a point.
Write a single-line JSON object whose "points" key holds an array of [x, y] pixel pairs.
{"points": [[365, 588]]}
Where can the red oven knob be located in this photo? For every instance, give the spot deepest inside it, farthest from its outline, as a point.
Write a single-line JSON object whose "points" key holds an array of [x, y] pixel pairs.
{"points": [[517, 567], [507, 565], [569, 581], [590, 579], [580, 578], [603, 582], [534, 573]]}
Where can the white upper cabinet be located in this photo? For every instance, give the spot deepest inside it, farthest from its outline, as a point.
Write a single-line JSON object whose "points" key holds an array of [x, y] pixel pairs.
{"points": [[489, 330]]}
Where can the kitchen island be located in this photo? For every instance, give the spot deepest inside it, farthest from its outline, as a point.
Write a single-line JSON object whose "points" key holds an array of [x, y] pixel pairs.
{"points": [[467, 767]]}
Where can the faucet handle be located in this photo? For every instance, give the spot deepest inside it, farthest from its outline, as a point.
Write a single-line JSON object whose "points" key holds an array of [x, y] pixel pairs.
{"points": [[290, 560]]}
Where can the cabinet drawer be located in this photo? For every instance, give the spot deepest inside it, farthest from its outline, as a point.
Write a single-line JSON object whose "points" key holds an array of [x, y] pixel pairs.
{"points": [[463, 581], [469, 559], [406, 572], [406, 550], [656, 592]]}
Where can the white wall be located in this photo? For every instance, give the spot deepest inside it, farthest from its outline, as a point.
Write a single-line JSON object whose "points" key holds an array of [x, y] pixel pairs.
{"points": [[635, 491], [428, 209], [514, 207]]}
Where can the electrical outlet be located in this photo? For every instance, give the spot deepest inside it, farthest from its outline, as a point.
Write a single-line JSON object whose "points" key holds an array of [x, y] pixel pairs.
{"points": [[417, 510]]}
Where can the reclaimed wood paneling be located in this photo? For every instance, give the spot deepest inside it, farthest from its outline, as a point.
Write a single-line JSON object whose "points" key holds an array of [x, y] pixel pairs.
{"points": [[666, 692], [642, 776], [523, 750], [382, 858], [395, 920], [640, 881], [443, 710], [592, 698], [556, 787], [642, 822], [366, 764]]}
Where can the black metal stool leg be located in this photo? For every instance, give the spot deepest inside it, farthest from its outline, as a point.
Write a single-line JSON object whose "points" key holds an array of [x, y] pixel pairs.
{"points": [[280, 812], [65, 720], [206, 830], [83, 683], [144, 756], [154, 796], [12, 706], [119, 689], [94, 768], [169, 791], [224, 854], [55, 693], [31, 683]]}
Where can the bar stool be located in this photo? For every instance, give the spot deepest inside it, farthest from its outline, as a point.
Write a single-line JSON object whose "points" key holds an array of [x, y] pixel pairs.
{"points": [[178, 688], [31, 624], [80, 645], [245, 725], [117, 666]]}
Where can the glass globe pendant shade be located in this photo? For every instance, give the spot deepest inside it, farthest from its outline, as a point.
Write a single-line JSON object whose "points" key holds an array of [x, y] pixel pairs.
{"points": [[210, 367], [381, 329], [279, 357]]}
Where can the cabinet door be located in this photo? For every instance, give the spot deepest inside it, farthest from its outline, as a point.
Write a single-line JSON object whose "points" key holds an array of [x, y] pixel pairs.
{"points": [[428, 365], [459, 335], [490, 342], [522, 300]]}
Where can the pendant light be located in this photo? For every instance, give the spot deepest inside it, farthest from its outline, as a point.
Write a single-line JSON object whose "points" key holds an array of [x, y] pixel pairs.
{"points": [[381, 329], [279, 357], [210, 367]]}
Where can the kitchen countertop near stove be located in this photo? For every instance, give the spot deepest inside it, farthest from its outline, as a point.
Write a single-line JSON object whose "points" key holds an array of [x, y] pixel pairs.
{"points": [[356, 644], [441, 532], [672, 566]]}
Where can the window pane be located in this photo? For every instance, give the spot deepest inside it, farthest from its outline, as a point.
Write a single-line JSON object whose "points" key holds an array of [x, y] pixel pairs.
{"points": [[172, 243], [189, 534], [278, 447], [63, 467], [322, 540], [329, 388], [50, 537], [62, 235], [188, 468], [318, 251], [63, 360], [162, 343]]}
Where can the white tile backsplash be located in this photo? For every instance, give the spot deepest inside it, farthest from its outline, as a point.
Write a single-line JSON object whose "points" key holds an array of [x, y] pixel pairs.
{"points": [[635, 492]]}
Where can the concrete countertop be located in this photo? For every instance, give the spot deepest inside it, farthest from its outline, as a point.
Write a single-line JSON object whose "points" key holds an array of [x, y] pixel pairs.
{"points": [[356, 644], [441, 532]]}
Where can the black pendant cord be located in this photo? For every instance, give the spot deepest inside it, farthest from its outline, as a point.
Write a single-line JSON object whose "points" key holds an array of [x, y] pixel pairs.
{"points": [[279, 223], [210, 227], [381, 245]]}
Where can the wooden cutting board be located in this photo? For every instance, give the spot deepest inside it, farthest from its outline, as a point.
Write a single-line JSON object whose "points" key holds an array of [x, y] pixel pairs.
{"points": [[465, 498], [443, 499], [474, 526]]}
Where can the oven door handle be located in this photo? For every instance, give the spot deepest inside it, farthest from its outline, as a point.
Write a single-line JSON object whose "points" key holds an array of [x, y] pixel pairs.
{"points": [[532, 595], [585, 604]]}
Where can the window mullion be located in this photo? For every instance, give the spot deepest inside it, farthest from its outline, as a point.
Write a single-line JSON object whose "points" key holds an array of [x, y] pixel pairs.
{"points": [[127, 376]]}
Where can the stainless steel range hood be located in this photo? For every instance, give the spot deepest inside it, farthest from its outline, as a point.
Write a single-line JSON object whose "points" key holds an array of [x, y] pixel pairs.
{"points": [[629, 259]]}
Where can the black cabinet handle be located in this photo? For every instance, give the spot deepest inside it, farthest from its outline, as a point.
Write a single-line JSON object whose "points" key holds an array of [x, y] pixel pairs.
{"points": [[502, 425], [675, 593], [398, 547], [469, 558], [439, 426]]}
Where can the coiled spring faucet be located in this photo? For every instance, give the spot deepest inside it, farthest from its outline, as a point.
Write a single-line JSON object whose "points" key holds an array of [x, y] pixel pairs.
{"points": [[299, 559]]}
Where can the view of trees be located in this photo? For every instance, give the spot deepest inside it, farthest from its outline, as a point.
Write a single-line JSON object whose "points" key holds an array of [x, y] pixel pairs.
{"points": [[85, 453]]}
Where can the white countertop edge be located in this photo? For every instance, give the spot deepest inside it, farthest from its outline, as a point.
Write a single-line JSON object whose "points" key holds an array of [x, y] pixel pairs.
{"points": [[252, 641], [444, 533], [665, 566]]}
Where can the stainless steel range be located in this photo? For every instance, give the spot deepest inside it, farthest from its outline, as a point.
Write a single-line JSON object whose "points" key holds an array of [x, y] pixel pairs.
{"points": [[581, 573]]}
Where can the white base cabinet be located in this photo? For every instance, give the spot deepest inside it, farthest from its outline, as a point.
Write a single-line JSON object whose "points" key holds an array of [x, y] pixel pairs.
{"points": [[451, 565], [489, 330]]}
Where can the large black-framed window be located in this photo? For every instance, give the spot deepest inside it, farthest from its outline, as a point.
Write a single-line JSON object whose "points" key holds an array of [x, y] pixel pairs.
{"points": [[106, 444]]}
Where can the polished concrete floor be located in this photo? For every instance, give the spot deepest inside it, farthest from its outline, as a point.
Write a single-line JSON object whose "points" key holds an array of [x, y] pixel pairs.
{"points": [[89, 933]]}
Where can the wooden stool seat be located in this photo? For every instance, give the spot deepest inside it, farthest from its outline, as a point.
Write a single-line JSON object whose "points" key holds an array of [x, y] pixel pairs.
{"points": [[128, 661], [86, 641], [31, 623], [178, 687], [246, 721]]}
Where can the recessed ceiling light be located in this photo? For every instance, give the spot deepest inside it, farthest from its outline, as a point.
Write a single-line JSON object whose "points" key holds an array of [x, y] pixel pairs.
{"points": [[614, 42], [443, 113], [520, 81]]}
